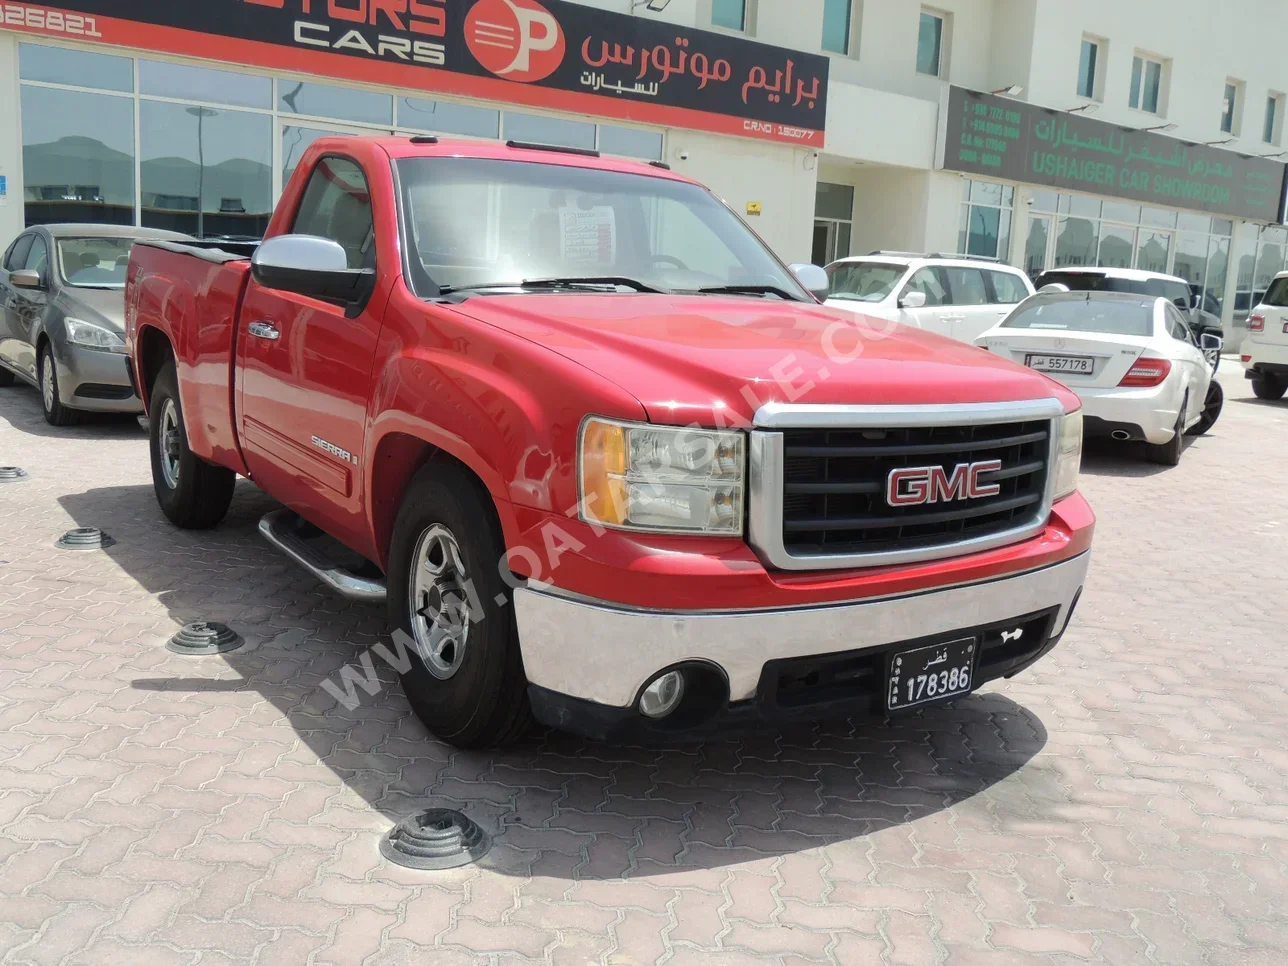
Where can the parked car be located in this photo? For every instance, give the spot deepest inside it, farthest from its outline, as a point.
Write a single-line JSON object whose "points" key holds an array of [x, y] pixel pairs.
{"points": [[63, 288], [1265, 351], [1138, 282], [1131, 359], [953, 295], [611, 463]]}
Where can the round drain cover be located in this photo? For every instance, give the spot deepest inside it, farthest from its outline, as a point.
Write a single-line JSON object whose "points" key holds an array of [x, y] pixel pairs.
{"points": [[11, 474], [205, 637], [85, 538], [440, 838]]}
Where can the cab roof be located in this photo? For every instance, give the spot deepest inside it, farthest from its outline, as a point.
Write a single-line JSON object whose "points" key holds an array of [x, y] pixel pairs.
{"points": [[428, 146]]}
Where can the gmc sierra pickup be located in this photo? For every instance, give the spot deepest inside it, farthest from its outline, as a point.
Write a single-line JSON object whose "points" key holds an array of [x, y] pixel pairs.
{"points": [[605, 458]]}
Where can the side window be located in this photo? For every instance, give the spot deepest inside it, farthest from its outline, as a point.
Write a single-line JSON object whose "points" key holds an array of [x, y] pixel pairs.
{"points": [[18, 253], [1008, 289], [1278, 292], [38, 257], [1177, 294], [337, 205], [1176, 326], [966, 286], [929, 281]]}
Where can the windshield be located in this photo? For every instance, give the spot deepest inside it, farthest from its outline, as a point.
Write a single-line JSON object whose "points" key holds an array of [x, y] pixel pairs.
{"points": [[94, 262], [474, 222], [1111, 316], [863, 281]]}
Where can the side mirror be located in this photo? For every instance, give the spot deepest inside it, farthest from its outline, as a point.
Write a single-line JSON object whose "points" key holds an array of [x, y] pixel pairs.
{"points": [[312, 266], [1209, 342], [912, 300], [1195, 301], [26, 278], [813, 279]]}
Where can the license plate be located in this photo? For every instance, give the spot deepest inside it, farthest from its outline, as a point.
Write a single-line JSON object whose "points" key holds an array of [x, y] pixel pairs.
{"points": [[1080, 364], [934, 673]]}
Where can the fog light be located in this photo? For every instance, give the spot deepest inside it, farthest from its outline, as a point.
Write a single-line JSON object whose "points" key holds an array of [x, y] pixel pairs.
{"points": [[663, 695]]}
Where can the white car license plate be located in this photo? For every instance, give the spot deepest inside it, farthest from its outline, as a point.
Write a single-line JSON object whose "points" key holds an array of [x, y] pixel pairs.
{"points": [[933, 673], [1080, 364]]}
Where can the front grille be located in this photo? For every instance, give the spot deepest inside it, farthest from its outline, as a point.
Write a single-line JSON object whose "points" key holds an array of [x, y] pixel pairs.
{"points": [[834, 486]]}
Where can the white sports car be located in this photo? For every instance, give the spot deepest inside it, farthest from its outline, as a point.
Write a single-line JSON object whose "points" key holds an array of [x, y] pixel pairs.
{"points": [[1132, 359]]}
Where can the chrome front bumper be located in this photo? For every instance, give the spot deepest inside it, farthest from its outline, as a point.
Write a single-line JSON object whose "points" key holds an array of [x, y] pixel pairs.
{"points": [[604, 653]]}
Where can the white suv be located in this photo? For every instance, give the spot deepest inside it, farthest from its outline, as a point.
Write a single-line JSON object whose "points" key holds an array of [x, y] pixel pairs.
{"points": [[1265, 350], [954, 295]]}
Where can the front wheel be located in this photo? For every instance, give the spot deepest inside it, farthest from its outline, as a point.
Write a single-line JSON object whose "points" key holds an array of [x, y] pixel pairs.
{"points": [[1212, 407], [1268, 387], [464, 677], [51, 400], [192, 493]]}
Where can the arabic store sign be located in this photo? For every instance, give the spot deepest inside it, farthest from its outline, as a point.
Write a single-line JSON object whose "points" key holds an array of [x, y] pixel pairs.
{"points": [[545, 53], [1010, 140]]}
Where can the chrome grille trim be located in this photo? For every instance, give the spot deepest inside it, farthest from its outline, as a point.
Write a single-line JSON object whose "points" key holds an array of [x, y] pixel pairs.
{"points": [[766, 475]]}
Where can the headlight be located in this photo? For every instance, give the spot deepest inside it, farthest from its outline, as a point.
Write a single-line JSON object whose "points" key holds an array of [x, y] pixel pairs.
{"points": [[91, 336], [1068, 454], [636, 476]]}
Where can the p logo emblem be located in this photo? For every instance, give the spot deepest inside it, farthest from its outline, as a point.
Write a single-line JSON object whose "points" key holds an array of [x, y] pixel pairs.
{"points": [[519, 40]]}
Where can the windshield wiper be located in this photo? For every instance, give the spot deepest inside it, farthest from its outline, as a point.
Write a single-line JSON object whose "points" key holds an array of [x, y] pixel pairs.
{"points": [[571, 282], [748, 290]]}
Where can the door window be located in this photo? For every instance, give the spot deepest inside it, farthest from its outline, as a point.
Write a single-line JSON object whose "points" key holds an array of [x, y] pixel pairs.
{"points": [[18, 253], [929, 281], [38, 257], [337, 205], [1176, 326], [1009, 289], [966, 286]]}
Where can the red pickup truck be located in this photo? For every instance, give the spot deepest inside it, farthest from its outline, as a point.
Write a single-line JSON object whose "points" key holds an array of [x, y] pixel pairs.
{"points": [[605, 458]]}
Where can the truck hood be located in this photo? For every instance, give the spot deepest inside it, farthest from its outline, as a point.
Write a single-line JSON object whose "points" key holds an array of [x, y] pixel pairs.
{"points": [[687, 357]]}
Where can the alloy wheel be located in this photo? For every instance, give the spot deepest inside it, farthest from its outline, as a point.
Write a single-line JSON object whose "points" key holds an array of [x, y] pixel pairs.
{"points": [[439, 602]]}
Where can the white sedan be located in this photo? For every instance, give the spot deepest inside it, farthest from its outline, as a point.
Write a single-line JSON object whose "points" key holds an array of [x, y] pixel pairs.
{"points": [[1130, 358]]}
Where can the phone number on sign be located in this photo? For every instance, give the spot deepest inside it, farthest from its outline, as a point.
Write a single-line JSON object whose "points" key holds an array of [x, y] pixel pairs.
{"points": [[54, 21]]}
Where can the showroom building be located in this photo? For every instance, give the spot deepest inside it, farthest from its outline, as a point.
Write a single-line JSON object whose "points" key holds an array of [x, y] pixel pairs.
{"points": [[834, 126]]}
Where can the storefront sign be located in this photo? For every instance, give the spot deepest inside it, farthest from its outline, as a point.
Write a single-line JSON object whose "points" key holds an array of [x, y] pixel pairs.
{"points": [[997, 137], [552, 53]]}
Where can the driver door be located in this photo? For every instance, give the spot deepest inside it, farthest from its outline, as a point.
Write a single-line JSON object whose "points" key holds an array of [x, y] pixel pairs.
{"points": [[937, 314], [1198, 373], [11, 335], [305, 366]]}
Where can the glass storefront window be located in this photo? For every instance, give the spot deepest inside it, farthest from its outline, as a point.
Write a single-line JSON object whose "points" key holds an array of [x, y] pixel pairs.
{"points": [[985, 228], [1075, 242], [1157, 217], [1218, 267], [204, 171], [1035, 248], [833, 222], [1044, 200], [1152, 251], [537, 129], [1117, 246], [1191, 259], [58, 65], [630, 142], [1191, 222], [444, 117], [204, 84], [77, 157], [1120, 211], [341, 103]]}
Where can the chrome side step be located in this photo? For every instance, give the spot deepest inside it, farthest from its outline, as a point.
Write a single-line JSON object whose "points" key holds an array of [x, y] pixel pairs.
{"points": [[279, 529]]}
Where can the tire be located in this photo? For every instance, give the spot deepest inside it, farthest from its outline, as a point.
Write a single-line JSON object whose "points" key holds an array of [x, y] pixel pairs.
{"points": [[1169, 453], [51, 400], [472, 691], [192, 493], [1268, 387], [1212, 407]]}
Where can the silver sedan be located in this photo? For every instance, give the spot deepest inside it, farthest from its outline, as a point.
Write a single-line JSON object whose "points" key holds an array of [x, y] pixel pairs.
{"points": [[63, 293]]}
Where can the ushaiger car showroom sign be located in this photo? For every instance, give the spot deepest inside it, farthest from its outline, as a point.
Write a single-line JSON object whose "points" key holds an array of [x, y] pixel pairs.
{"points": [[546, 53], [998, 137]]}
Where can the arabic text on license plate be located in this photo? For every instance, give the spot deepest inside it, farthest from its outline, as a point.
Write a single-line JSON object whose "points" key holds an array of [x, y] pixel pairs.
{"points": [[1082, 364], [933, 673]]}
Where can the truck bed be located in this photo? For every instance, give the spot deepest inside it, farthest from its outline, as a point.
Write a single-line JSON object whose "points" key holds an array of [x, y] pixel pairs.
{"points": [[192, 294]]}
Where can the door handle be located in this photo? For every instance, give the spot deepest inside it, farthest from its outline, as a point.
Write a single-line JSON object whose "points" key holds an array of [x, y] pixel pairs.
{"points": [[262, 330]]}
